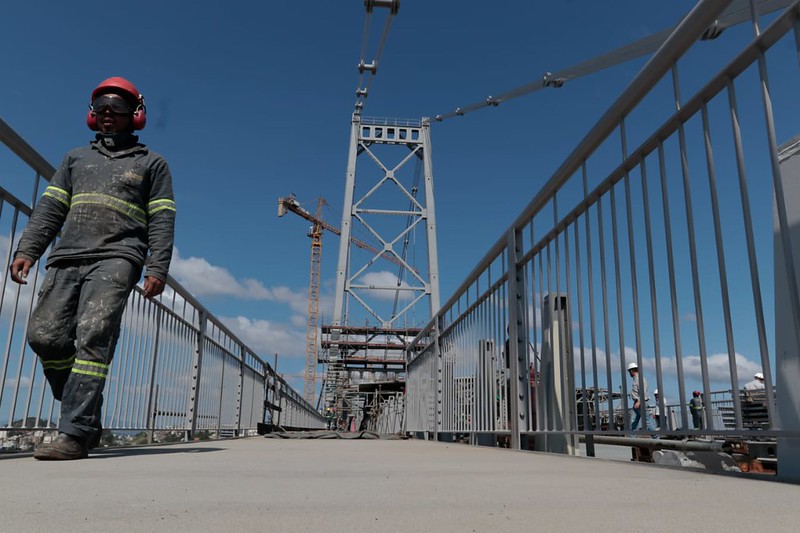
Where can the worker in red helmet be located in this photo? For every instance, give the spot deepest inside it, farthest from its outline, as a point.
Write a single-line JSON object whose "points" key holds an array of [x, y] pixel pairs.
{"points": [[696, 407], [112, 203]]}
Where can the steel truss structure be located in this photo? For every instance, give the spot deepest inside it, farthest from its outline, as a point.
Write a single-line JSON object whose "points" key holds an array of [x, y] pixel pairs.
{"points": [[364, 292]]}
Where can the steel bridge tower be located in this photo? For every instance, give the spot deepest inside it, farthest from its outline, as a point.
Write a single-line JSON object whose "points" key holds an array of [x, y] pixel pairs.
{"points": [[377, 311]]}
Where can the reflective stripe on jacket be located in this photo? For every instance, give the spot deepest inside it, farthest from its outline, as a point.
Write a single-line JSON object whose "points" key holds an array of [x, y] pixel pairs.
{"points": [[106, 204]]}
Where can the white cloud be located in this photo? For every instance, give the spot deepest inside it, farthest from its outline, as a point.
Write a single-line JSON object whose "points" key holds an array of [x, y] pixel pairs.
{"points": [[384, 278], [201, 278], [718, 367], [267, 338]]}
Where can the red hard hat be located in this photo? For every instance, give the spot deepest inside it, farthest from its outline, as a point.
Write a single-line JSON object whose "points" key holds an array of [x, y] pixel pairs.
{"points": [[696, 393], [119, 85]]}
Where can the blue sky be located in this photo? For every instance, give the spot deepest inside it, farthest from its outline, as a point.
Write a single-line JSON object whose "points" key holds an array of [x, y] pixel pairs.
{"points": [[251, 101]]}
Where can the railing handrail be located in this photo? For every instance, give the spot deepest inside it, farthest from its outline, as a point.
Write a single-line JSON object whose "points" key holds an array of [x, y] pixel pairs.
{"points": [[25, 151], [686, 33]]}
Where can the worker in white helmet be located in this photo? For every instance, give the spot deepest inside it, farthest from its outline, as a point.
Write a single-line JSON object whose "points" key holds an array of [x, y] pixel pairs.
{"points": [[638, 396], [757, 383]]}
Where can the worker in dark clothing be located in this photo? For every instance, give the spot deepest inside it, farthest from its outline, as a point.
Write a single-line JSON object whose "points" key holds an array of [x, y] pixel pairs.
{"points": [[112, 201], [696, 406]]}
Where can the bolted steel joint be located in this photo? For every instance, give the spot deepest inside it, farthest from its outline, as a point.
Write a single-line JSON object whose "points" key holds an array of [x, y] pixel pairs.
{"points": [[549, 81], [393, 5], [361, 93], [712, 32], [372, 67]]}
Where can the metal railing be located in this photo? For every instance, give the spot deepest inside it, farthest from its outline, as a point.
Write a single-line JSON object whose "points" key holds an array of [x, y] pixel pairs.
{"points": [[658, 259], [178, 370]]}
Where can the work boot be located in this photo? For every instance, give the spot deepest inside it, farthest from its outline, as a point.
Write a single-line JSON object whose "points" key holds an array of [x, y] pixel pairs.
{"points": [[62, 448]]}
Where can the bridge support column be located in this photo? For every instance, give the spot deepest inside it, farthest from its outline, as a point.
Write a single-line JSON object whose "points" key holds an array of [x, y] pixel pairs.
{"points": [[197, 366], [787, 330], [558, 389], [517, 342]]}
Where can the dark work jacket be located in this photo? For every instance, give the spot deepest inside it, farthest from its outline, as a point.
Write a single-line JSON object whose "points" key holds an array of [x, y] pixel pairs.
{"points": [[106, 204]]}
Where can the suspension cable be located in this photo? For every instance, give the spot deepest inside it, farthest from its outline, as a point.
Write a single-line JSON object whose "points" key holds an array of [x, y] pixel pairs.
{"points": [[736, 13], [362, 90]]}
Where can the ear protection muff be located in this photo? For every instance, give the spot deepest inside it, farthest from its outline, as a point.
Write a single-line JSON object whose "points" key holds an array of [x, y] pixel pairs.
{"points": [[115, 85]]}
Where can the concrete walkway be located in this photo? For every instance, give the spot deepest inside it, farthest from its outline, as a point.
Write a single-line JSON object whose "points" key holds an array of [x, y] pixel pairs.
{"points": [[259, 484]]}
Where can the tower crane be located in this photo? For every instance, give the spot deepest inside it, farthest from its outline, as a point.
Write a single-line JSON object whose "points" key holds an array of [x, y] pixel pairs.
{"points": [[318, 225]]}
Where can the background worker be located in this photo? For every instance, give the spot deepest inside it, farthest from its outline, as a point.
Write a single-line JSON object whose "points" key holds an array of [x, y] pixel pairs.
{"points": [[638, 396], [112, 201], [662, 418], [756, 383], [696, 407]]}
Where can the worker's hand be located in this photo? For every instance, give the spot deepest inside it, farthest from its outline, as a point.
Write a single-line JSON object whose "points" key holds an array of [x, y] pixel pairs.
{"points": [[19, 270], [152, 286], [636, 404]]}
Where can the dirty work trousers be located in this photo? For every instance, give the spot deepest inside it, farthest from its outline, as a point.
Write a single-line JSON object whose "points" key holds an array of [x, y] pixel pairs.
{"points": [[74, 330]]}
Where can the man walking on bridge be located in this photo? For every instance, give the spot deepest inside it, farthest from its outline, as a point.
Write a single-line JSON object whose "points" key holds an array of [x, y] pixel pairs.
{"points": [[639, 398], [112, 202]]}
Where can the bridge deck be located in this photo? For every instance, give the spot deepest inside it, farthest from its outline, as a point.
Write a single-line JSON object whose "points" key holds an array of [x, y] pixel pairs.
{"points": [[260, 484]]}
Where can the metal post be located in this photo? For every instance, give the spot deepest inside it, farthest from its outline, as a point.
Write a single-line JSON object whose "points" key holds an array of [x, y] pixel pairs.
{"points": [[439, 368], [194, 395], [240, 391], [433, 254], [276, 420], [517, 340]]}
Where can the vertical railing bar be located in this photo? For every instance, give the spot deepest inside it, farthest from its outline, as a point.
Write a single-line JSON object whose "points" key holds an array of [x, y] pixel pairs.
{"points": [[590, 272], [637, 334], [23, 346], [40, 407], [578, 276], [115, 372], [672, 286], [604, 293], [171, 370], [568, 338], [747, 215], [130, 363], [653, 299], [7, 351], [532, 405], [163, 371], [122, 374], [780, 204], [723, 276], [499, 389], [551, 311], [687, 198], [221, 393], [561, 316], [142, 363], [149, 418], [620, 315], [7, 261], [540, 399]]}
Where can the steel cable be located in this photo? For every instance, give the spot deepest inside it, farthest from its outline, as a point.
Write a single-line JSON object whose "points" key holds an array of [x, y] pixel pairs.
{"points": [[362, 90], [736, 13]]}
